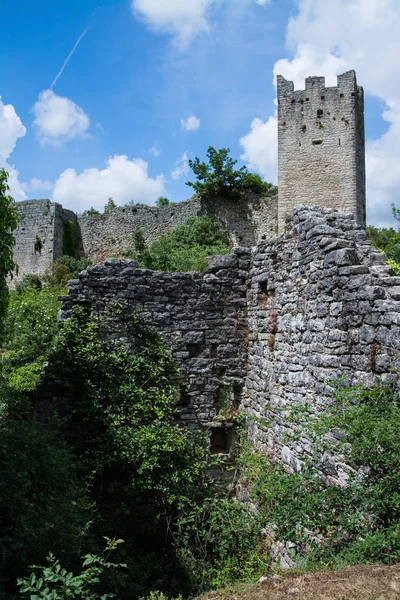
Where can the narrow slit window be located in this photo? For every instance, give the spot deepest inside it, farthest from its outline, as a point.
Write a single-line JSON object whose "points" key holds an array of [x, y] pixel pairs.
{"points": [[317, 142]]}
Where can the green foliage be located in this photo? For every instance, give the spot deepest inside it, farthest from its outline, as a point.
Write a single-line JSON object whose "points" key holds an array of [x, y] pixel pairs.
{"points": [[388, 241], [220, 542], [162, 202], [185, 248], [56, 583], [37, 245], [8, 223], [109, 206], [138, 240], [28, 281], [30, 328], [39, 498], [220, 178], [91, 212], [65, 268], [69, 238], [122, 410]]}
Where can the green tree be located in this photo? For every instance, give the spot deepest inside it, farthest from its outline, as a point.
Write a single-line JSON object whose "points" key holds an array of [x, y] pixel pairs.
{"points": [[162, 202], [8, 223], [91, 212], [220, 178], [110, 205]]}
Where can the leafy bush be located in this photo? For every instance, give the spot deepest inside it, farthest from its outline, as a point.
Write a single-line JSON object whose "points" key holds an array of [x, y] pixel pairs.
{"points": [[56, 583], [30, 328], [65, 268], [110, 206], [219, 178], [91, 212], [185, 248], [162, 202], [8, 223]]}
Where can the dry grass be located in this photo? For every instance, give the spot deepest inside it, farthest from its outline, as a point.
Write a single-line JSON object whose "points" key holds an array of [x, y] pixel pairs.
{"points": [[351, 583]]}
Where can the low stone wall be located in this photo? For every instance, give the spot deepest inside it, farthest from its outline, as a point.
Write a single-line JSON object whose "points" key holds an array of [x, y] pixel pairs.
{"points": [[248, 221], [202, 316], [321, 305], [270, 328]]}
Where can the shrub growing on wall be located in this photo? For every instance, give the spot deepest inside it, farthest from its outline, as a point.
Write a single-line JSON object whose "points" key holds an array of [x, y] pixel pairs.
{"points": [[8, 223]]}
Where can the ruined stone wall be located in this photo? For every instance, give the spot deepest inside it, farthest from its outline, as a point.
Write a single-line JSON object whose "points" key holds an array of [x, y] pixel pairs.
{"points": [[202, 316], [248, 222], [268, 328], [37, 218], [321, 305], [321, 153]]}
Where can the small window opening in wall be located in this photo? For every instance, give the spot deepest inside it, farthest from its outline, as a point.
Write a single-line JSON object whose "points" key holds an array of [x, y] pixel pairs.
{"points": [[320, 112], [221, 440], [293, 101], [317, 142], [341, 95], [353, 93], [307, 99], [322, 97], [339, 141], [300, 144]]}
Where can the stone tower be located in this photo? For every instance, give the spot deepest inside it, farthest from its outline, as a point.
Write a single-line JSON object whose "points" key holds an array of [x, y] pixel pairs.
{"points": [[321, 148]]}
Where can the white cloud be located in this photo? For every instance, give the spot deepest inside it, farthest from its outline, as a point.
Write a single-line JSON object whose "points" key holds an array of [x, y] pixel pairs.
{"points": [[263, 2], [260, 147], [58, 119], [123, 179], [11, 129], [327, 38], [155, 151], [192, 123], [182, 167], [184, 19], [35, 185]]}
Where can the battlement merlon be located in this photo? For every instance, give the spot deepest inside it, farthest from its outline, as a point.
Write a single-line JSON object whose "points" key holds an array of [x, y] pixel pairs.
{"points": [[346, 83]]}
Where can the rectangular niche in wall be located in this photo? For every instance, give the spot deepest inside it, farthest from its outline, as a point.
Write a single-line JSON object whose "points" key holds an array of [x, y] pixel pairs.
{"points": [[221, 440]]}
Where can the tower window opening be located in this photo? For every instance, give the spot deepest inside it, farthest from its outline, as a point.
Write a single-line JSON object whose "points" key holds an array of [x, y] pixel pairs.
{"points": [[320, 112], [322, 97], [307, 99], [353, 93], [220, 440], [317, 142], [341, 95], [339, 141]]}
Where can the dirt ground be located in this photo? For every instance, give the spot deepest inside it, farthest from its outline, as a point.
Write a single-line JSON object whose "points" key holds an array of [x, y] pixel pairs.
{"points": [[371, 582]]}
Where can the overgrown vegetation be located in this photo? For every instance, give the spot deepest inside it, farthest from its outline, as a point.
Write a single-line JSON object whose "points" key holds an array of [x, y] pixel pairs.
{"points": [[184, 248], [388, 241], [8, 223], [219, 178]]}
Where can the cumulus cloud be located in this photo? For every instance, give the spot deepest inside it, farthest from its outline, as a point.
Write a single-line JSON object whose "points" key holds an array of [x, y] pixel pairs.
{"points": [[330, 37], [260, 147], [182, 167], [37, 185], [123, 179], [183, 19], [11, 129], [192, 123], [58, 119]]}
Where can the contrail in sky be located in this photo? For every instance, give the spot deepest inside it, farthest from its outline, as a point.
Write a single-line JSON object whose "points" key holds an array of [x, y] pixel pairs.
{"points": [[80, 38]]}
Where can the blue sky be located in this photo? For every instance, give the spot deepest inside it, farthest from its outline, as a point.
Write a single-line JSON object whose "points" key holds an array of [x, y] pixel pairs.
{"points": [[152, 83]]}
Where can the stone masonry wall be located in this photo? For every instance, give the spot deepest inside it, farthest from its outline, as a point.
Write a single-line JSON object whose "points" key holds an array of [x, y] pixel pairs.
{"points": [[321, 305], [248, 221], [38, 218], [202, 316], [321, 154], [270, 328]]}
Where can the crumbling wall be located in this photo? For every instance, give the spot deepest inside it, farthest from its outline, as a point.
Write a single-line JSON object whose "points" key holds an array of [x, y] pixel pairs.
{"points": [[201, 316], [247, 220], [39, 219], [321, 306], [270, 328]]}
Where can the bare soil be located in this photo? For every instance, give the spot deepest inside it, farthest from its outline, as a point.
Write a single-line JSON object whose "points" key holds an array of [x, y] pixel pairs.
{"points": [[372, 582]]}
